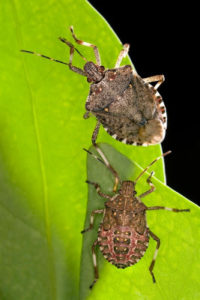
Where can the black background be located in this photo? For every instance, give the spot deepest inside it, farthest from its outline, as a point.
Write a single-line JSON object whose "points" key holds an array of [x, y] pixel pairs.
{"points": [[164, 40]]}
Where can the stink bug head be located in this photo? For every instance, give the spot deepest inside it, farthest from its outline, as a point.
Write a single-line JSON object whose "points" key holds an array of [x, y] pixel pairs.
{"points": [[127, 188], [93, 72]]}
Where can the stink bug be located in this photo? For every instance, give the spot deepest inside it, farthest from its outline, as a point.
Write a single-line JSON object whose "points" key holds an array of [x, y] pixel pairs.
{"points": [[130, 109], [123, 234]]}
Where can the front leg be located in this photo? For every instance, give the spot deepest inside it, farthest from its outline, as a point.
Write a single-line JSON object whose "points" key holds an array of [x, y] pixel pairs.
{"points": [[151, 185], [96, 51]]}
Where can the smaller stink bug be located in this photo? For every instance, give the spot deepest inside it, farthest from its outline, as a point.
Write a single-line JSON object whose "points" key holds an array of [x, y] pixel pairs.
{"points": [[130, 109], [123, 234]]}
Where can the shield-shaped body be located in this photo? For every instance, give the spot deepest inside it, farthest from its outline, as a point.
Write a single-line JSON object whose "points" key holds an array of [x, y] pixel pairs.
{"points": [[123, 235], [131, 110]]}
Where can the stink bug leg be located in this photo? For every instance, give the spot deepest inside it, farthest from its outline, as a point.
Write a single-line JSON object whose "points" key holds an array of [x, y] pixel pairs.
{"points": [[94, 212], [94, 259], [122, 54], [96, 51]]}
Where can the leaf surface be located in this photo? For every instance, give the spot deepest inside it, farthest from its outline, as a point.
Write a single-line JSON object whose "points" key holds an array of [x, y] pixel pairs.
{"points": [[42, 166]]}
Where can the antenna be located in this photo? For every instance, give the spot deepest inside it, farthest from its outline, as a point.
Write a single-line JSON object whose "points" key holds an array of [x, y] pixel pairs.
{"points": [[153, 162]]}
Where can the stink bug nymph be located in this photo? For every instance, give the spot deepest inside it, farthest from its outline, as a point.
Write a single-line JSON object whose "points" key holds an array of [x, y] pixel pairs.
{"points": [[130, 109], [123, 234]]}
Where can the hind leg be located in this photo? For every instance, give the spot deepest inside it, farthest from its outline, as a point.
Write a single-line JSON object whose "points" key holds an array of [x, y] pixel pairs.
{"points": [[155, 254]]}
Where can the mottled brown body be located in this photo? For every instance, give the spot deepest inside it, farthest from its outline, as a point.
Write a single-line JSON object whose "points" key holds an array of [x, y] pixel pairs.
{"points": [[123, 235], [131, 110]]}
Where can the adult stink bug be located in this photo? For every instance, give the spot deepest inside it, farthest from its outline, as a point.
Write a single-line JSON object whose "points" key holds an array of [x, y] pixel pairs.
{"points": [[130, 109], [123, 234]]}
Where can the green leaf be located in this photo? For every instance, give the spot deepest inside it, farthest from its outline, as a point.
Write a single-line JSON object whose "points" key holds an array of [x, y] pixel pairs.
{"points": [[177, 265], [42, 132]]}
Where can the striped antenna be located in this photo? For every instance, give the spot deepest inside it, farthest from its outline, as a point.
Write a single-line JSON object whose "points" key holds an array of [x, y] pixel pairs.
{"points": [[153, 162], [44, 56], [104, 161], [96, 157], [71, 46]]}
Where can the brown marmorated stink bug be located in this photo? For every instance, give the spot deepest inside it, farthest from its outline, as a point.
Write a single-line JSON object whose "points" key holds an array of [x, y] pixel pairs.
{"points": [[130, 109], [123, 234]]}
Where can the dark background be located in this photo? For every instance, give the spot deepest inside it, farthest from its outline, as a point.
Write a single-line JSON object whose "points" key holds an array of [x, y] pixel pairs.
{"points": [[164, 40]]}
